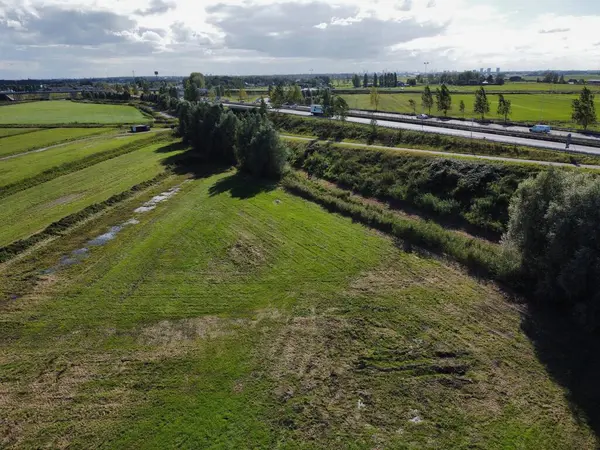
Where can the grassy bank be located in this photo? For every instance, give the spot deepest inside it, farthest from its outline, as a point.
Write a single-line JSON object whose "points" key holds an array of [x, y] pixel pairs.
{"points": [[468, 192]]}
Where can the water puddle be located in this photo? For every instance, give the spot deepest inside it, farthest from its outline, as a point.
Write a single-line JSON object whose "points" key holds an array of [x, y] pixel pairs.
{"points": [[151, 204], [78, 255]]}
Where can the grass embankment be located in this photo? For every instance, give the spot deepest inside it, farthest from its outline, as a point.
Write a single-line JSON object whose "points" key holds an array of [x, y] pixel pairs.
{"points": [[470, 193], [21, 143], [529, 108], [29, 211], [236, 315], [339, 131], [35, 166], [67, 112]]}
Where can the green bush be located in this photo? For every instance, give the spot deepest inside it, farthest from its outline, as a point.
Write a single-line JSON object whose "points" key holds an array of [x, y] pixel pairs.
{"points": [[554, 231], [472, 192]]}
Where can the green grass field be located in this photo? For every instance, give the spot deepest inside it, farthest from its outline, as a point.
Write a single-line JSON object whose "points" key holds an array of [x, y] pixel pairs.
{"points": [[21, 143], [67, 112], [6, 132], [507, 87], [31, 164], [27, 212], [525, 108], [238, 316]]}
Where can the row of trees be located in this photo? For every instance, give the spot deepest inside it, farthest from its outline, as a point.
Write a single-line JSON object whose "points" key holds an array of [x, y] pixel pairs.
{"points": [[251, 142], [389, 79], [583, 108], [109, 95]]}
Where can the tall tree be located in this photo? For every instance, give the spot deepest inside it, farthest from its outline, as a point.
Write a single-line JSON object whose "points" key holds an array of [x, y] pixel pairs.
{"points": [[413, 105], [443, 99], [482, 104], [278, 96], [461, 108], [340, 108], [365, 81], [504, 107], [356, 81], [427, 99], [375, 97], [242, 95], [584, 110], [375, 80]]}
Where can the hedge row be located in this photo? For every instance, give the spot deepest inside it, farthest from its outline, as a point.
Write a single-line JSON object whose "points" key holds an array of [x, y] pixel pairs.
{"points": [[471, 194]]}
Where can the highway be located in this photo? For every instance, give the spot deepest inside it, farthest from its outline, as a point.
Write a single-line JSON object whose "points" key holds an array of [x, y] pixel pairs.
{"points": [[429, 127], [482, 127]]}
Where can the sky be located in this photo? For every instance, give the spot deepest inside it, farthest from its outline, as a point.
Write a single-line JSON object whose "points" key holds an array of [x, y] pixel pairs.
{"points": [[97, 38]]}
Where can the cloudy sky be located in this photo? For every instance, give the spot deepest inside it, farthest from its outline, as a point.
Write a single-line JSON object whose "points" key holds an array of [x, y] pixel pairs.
{"points": [[78, 38]]}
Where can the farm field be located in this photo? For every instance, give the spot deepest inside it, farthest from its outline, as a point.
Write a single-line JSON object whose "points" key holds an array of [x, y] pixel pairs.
{"points": [[526, 108], [507, 87], [237, 315], [24, 142], [28, 211], [6, 132], [31, 164], [67, 112]]}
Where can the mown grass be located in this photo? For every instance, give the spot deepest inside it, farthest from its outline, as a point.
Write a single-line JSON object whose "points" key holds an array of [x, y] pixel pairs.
{"points": [[45, 138], [67, 112], [237, 315], [5, 132], [520, 87], [28, 211], [31, 164], [552, 108]]}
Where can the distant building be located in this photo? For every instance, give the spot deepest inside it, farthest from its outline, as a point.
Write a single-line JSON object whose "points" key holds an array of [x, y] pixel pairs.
{"points": [[489, 71], [594, 82], [497, 70]]}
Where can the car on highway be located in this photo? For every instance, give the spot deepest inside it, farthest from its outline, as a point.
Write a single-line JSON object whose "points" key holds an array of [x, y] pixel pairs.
{"points": [[540, 129], [423, 116]]}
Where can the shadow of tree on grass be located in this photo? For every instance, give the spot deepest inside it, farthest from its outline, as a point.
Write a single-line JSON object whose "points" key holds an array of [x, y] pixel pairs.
{"points": [[241, 186]]}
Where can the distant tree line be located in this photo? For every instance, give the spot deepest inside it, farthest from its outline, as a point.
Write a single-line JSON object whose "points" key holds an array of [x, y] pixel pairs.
{"points": [[382, 80]]}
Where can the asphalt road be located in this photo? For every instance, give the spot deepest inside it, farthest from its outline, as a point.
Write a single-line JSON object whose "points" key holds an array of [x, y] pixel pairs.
{"points": [[429, 127], [481, 127]]}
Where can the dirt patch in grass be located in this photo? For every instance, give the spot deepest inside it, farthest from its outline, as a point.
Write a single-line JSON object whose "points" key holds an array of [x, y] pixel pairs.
{"points": [[177, 332], [247, 252], [63, 200]]}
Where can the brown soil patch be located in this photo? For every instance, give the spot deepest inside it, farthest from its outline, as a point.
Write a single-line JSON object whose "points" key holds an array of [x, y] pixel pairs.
{"points": [[247, 252]]}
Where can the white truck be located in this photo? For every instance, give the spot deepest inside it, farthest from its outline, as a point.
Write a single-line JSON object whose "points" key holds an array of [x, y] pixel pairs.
{"points": [[316, 110]]}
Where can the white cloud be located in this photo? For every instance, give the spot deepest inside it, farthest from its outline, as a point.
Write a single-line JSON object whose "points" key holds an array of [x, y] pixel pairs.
{"points": [[279, 36]]}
